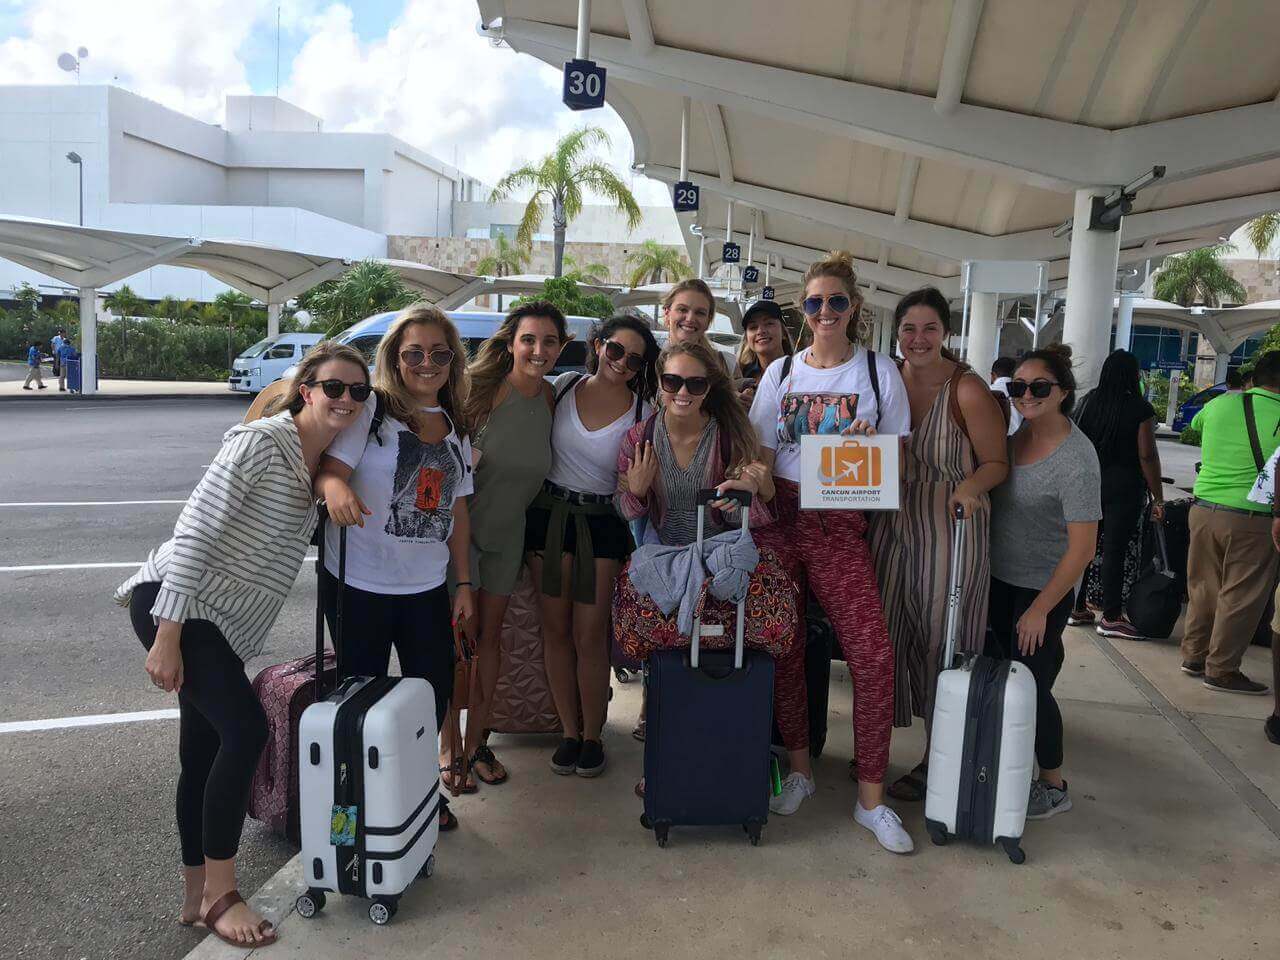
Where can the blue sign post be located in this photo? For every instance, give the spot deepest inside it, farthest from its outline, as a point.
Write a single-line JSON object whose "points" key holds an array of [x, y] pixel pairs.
{"points": [[731, 253], [686, 194], [583, 85], [766, 293], [750, 274]]}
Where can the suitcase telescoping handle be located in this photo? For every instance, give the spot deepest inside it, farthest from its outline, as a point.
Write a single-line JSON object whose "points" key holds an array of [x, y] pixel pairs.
{"points": [[323, 512], [959, 527], [743, 499]]}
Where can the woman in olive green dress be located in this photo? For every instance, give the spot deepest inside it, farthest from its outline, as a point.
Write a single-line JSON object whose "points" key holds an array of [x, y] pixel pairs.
{"points": [[508, 412]]}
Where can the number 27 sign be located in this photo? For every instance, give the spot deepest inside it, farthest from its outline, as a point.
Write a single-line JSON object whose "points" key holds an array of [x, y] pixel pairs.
{"points": [[583, 85]]}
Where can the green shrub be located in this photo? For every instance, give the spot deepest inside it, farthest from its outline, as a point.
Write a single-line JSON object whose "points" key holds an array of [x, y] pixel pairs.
{"points": [[161, 350], [1190, 436]]}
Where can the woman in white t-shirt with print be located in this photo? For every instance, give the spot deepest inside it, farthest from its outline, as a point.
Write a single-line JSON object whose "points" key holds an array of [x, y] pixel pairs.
{"points": [[575, 538], [832, 387], [401, 488]]}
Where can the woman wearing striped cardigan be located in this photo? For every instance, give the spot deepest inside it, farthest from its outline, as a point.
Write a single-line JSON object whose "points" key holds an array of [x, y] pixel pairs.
{"points": [[203, 603]]}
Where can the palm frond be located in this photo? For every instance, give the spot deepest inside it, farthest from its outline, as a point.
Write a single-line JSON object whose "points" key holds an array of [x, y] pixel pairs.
{"points": [[1261, 232], [532, 219], [601, 178], [525, 176]]}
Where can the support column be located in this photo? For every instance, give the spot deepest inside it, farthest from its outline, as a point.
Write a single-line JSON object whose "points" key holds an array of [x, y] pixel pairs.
{"points": [[984, 314], [886, 335], [1124, 321], [1220, 363], [273, 319], [88, 340], [1091, 284]]}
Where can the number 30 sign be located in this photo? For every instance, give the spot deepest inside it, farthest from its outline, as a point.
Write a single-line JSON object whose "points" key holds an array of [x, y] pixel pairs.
{"points": [[583, 85]]}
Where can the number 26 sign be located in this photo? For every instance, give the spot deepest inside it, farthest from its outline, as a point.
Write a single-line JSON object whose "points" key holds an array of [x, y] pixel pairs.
{"points": [[583, 85]]}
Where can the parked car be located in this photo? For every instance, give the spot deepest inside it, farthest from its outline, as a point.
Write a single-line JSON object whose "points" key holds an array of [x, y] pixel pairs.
{"points": [[267, 361], [1194, 404], [475, 328]]}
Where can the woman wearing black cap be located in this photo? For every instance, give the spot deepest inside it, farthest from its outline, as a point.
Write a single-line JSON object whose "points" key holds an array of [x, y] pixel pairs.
{"points": [[764, 340]]}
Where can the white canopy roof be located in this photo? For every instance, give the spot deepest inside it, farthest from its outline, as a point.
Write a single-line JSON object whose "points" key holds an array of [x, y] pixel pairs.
{"points": [[920, 134], [1225, 327]]}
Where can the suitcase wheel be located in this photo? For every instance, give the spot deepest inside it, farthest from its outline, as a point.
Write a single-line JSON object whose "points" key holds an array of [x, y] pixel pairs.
{"points": [[752, 829], [309, 903], [429, 867], [624, 675], [1014, 849], [382, 910], [938, 834], [645, 822], [660, 831]]}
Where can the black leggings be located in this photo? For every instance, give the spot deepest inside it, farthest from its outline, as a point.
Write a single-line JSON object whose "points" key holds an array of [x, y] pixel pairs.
{"points": [[418, 624], [1008, 604], [1120, 516], [221, 733]]}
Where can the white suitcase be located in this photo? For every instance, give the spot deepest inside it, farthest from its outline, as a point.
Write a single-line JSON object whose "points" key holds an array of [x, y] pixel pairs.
{"points": [[369, 787], [982, 751]]}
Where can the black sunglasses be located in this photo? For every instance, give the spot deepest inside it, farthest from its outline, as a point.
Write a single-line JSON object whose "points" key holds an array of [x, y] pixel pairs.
{"points": [[334, 389], [1039, 388], [672, 382], [414, 357], [615, 351], [813, 305]]}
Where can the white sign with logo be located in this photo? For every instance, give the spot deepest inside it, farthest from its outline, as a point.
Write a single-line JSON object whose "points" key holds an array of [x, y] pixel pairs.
{"points": [[841, 472]]}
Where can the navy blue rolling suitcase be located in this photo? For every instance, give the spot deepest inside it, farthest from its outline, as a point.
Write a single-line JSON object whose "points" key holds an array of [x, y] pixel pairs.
{"points": [[710, 715]]}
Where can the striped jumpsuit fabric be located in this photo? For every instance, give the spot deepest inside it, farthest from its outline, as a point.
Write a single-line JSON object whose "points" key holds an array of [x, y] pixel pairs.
{"points": [[912, 551], [826, 550]]}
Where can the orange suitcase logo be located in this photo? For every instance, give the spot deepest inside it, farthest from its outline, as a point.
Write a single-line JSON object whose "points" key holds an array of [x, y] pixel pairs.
{"points": [[850, 465]]}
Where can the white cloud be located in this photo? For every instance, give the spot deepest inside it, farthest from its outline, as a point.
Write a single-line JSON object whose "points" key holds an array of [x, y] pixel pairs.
{"points": [[431, 80]]}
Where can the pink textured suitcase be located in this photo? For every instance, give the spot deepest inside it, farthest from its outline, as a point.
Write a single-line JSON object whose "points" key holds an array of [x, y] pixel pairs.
{"points": [[284, 691]]}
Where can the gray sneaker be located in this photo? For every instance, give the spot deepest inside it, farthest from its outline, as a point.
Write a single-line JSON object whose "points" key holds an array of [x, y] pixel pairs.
{"points": [[1047, 801]]}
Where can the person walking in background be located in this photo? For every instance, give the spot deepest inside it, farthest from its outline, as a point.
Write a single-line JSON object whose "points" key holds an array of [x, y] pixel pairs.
{"points": [[66, 351], [204, 602], [1233, 380], [1120, 422], [33, 367], [1001, 374], [764, 340], [955, 454], [56, 344], [1231, 563], [1044, 528]]}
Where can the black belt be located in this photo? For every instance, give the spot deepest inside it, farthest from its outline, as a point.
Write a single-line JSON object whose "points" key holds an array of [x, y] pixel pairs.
{"points": [[1218, 506], [573, 496]]}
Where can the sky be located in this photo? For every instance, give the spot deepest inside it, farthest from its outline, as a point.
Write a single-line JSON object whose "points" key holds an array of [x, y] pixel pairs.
{"points": [[417, 69]]}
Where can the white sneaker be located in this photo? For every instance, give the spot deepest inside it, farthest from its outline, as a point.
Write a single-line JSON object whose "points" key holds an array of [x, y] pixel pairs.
{"points": [[795, 790], [887, 827]]}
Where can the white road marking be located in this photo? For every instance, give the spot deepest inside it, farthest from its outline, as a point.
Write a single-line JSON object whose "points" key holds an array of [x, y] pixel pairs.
{"points": [[87, 503], [92, 720], [47, 567]]}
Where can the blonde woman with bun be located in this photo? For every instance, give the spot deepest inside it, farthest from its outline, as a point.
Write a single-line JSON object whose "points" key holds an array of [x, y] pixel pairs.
{"points": [[833, 386]]}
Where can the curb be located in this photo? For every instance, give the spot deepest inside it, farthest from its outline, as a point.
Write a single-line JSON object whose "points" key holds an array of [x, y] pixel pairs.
{"points": [[274, 901], [69, 397]]}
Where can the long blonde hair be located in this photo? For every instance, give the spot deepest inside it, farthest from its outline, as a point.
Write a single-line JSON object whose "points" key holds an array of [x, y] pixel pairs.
{"points": [[389, 382], [838, 264], [324, 351], [721, 403], [494, 359], [748, 356]]}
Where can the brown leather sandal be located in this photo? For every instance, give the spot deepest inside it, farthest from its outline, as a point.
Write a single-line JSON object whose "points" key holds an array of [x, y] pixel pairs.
{"points": [[266, 929]]}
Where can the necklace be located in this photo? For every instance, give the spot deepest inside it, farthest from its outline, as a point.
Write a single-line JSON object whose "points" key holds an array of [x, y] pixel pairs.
{"points": [[815, 362]]}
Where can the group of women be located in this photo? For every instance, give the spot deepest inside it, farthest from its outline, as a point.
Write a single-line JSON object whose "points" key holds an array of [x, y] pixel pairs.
{"points": [[449, 478]]}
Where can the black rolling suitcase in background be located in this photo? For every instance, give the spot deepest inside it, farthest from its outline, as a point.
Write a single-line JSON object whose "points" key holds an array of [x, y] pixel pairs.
{"points": [[706, 751], [820, 649]]}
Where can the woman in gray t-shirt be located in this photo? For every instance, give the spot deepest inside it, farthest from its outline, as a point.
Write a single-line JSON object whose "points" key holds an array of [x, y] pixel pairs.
{"points": [[1044, 527]]}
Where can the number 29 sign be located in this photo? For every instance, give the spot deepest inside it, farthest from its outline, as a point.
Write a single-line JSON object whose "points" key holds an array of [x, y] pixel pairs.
{"points": [[583, 85]]}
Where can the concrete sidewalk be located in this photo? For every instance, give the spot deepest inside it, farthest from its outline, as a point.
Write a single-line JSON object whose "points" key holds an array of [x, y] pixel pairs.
{"points": [[11, 389], [1170, 852]]}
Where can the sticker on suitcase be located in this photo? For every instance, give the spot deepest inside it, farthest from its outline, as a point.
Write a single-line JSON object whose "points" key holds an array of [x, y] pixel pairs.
{"points": [[342, 827]]}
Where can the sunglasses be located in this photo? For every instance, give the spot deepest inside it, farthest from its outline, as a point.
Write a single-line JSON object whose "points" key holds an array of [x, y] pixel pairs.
{"points": [[415, 357], [614, 351], [1039, 388], [334, 389], [671, 383], [813, 305]]}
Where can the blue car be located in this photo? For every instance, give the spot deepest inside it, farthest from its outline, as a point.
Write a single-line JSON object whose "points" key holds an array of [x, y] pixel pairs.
{"points": [[1194, 404]]}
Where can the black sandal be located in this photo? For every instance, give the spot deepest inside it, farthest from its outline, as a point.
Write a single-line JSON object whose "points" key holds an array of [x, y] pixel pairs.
{"points": [[911, 786], [448, 819], [484, 755]]}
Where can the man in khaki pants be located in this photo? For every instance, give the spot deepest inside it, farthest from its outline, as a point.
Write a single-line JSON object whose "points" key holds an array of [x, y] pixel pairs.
{"points": [[1231, 566]]}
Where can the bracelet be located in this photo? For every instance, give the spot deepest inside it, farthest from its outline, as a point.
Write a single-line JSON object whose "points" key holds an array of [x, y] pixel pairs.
{"points": [[463, 583]]}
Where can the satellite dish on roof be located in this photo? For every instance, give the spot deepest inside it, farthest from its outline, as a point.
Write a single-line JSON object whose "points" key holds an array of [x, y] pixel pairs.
{"points": [[67, 62]]}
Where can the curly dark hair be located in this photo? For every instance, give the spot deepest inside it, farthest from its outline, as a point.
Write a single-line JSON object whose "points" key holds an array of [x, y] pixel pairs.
{"points": [[645, 383]]}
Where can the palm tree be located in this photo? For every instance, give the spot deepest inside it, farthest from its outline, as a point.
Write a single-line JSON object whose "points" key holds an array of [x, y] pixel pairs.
{"points": [[227, 303], [367, 288], [560, 178], [175, 310], [654, 263], [124, 303], [585, 272], [1262, 231], [506, 259], [1198, 276]]}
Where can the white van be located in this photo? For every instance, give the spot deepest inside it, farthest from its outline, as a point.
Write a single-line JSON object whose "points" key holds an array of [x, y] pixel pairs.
{"points": [[267, 360]]}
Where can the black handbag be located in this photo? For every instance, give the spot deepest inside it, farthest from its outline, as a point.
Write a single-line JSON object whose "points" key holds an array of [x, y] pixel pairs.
{"points": [[1156, 598]]}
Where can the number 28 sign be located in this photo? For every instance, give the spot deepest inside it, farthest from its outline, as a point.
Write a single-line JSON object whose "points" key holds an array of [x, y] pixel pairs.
{"points": [[583, 85]]}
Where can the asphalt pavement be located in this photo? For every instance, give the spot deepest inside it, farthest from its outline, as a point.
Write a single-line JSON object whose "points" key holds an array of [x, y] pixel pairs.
{"points": [[90, 853]]}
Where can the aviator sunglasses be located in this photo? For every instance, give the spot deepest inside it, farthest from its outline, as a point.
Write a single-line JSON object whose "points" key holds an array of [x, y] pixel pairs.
{"points": [[813, 305], [1039, 388], [672, 382], [614, 351], [414, 357], [334, 389]]}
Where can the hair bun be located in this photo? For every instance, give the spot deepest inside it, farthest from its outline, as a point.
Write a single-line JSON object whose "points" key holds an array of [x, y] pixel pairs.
{"points": [[1062, 350]]}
